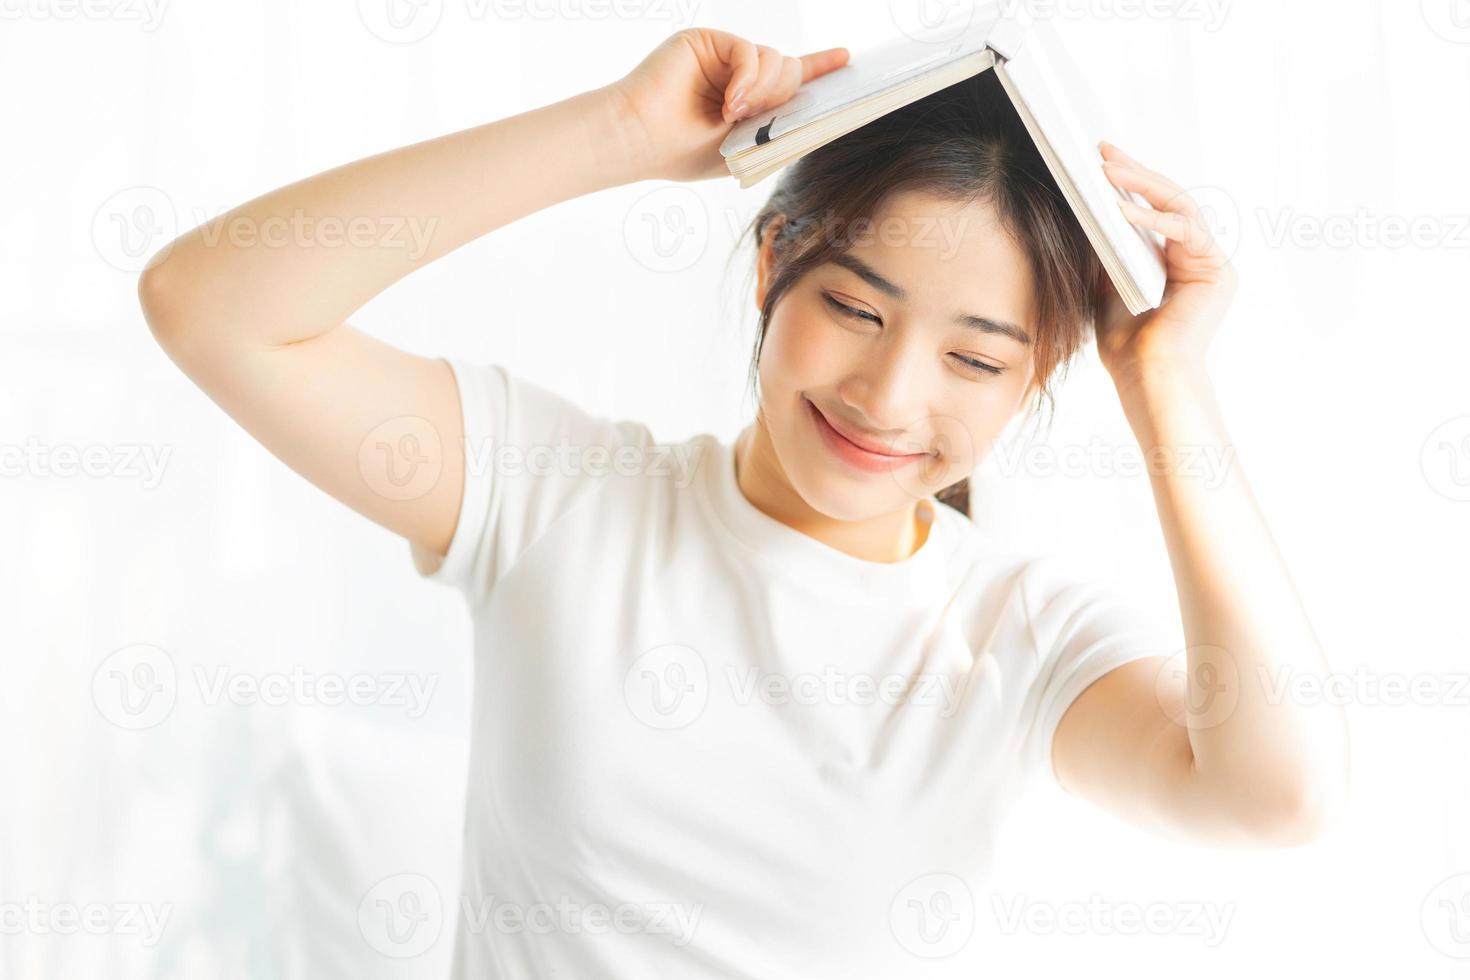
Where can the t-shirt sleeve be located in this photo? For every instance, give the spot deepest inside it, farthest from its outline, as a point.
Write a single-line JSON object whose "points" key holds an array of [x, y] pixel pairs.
{"points": [[1080, 630], [530, 455]]}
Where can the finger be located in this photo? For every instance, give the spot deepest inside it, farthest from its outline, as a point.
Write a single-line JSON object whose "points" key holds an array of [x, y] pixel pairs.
{"points": [[1159, 191], [787, 82], [1118, 157], [744, 60], [820, 62], [1192, 234], [794, 72], [1112, 152], [1166, 197], [765, 82]]}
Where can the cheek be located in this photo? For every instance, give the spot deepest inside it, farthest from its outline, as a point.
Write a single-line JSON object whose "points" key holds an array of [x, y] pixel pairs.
{"points": [[963, 430], [800, 351], [797, 341]]}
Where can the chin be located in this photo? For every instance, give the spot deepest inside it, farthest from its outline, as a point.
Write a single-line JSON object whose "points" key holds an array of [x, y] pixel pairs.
{"points": [[838, 499], [830, 489]]}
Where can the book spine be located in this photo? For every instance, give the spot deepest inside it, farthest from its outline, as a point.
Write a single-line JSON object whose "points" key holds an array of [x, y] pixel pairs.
{"points": [[1009, 32]]}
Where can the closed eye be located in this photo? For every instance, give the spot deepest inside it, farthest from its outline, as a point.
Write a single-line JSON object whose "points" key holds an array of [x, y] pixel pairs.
{"points": [[849, 311], [981, 365], [846, 310]]}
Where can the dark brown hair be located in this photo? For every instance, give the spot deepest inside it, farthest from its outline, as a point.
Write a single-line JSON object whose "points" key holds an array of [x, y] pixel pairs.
{"points": [[960, 144]]}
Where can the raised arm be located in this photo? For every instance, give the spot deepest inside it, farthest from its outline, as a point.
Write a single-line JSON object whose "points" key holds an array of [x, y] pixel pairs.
{"points": [[1216, 750], [252, 305]]}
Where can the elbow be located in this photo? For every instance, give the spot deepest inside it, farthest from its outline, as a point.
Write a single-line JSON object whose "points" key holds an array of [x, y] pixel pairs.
{"points": [[153, 292], [1305, 814], [159, 297]]}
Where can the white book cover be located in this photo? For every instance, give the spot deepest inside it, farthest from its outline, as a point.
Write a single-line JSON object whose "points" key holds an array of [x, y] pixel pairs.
{"points": [[1062, 111], [866, 74]]}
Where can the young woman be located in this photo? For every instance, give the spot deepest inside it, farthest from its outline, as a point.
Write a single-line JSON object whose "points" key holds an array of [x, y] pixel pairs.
{"points": [[757, 708]]}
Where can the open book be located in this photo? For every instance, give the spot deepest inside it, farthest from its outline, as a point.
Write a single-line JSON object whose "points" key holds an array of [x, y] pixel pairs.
{"points": [[1032, 65]]}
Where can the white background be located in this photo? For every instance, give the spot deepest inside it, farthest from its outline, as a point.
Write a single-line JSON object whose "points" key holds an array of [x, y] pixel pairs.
{"points": [[260, 830]]}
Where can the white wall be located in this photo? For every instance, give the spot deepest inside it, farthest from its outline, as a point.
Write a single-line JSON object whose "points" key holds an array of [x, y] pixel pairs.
{"points": [[258, 829]]}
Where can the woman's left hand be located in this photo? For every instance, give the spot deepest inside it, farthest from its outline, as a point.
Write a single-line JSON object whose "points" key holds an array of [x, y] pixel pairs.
{"points": [[1201, 282]]}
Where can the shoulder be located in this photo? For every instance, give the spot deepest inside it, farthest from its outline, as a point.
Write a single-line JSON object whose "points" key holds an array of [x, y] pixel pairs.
{"points": [[1031, 600], [977, 567], [520, 408]]}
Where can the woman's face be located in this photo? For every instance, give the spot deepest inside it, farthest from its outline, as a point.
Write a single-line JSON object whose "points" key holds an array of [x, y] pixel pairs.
{"points": [[915, 342]]}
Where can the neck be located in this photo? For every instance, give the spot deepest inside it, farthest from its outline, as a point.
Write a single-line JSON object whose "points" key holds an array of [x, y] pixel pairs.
{"points": [[758, 473]]}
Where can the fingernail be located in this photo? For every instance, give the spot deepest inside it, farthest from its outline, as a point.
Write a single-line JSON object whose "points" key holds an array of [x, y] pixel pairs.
{"points": [[739, 109], [737, 93]]}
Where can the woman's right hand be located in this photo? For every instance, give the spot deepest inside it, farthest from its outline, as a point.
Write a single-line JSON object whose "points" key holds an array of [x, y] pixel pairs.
{"points": [[686, 95]]}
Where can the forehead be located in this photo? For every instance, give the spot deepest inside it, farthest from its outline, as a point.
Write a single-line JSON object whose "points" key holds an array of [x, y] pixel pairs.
{"points": [[950, 256]]}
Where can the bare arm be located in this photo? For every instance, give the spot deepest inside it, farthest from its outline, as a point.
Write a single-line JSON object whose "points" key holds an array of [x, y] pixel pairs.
{"points": [[1218, 750], [1214, 748], [294, 263], [252, 306]]}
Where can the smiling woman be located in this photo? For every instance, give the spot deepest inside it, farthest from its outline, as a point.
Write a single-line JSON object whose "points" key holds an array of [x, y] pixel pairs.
{"points": [[704, 695], [936, 237]]}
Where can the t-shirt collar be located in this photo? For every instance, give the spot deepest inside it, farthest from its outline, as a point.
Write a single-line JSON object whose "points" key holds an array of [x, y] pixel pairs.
{"points": [[786, 551]]}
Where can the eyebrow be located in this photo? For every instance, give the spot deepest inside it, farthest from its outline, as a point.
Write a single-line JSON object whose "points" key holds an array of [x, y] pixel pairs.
{"points": [[870, 275]]}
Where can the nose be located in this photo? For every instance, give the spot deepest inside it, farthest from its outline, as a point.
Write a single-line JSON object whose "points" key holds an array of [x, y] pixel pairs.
{"points": [[886, 392]]}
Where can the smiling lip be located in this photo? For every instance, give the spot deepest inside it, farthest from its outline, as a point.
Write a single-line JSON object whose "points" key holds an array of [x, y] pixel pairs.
{"points": [[863, 455]]}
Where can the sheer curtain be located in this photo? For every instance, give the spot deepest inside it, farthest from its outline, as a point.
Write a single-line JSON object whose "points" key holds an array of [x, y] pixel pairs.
{"points": [[164, 606]]}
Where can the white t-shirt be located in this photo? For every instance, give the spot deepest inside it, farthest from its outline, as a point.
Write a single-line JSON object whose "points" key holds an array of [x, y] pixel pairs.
{"points": [[707, 745]]}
